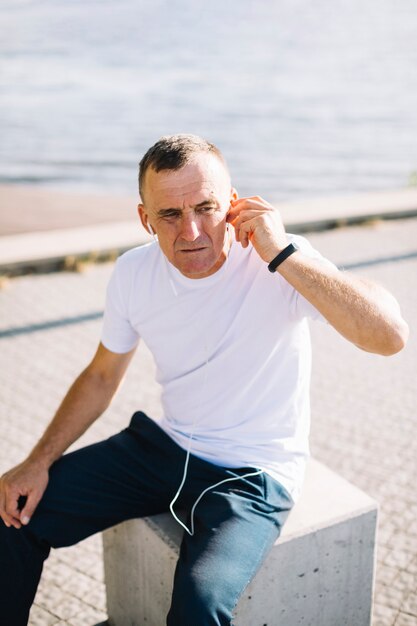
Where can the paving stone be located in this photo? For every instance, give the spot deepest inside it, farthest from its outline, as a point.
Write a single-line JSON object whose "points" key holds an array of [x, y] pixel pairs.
{"points": [[404, 619], [387, 575], [398, 558], [388, 594], [410, 604], [383, 615], [41, 617], [405, 580], [80, 585], [403, 542], [412, 528], [96, 598], [60, 603], [88, 617], [412, 566]]}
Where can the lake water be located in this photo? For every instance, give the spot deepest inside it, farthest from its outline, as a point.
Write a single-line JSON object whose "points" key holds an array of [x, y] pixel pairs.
{"points": [[304, 98]]}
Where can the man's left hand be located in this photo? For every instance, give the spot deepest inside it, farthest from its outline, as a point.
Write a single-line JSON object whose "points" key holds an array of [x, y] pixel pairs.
{"points": [[258, 222]]}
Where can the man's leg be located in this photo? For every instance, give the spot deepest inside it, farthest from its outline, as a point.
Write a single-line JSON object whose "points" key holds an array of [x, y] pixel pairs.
{"points": [[235, 526], [91, 489]]}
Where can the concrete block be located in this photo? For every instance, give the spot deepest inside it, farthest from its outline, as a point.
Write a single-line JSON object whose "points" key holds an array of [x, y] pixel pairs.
{"points": [[318, 573]]}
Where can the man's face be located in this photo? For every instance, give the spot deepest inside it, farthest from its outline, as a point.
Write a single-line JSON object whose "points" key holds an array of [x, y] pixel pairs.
{"points": [[187, 210]]}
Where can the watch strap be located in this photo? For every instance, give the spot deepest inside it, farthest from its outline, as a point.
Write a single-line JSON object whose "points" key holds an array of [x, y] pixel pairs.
{"points": [[280, 258]]}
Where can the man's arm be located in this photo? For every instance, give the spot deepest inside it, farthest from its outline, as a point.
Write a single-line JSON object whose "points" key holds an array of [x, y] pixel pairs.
{"points": [[85, 401], [363, 312]]}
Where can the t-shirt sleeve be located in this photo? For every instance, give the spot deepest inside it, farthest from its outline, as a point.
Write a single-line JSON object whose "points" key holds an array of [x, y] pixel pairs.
{"points": [[118, 334], [300, 306]]}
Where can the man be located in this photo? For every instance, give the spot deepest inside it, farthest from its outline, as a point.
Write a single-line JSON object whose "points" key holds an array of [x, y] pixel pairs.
{"points": [[231, 345]]}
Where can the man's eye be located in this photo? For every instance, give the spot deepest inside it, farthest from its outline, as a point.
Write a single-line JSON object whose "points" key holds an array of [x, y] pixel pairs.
{"points": [[206, 209], [170, 215]]}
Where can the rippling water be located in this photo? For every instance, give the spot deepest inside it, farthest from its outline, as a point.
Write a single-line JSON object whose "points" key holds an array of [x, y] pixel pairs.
{"points": [[303, 97]]}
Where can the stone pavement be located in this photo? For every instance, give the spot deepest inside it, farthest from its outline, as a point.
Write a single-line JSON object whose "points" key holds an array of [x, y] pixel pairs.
{"points": [[363, 426]]}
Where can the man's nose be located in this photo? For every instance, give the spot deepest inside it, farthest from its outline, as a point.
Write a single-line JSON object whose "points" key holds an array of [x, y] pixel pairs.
{"points": [[190, 227]]}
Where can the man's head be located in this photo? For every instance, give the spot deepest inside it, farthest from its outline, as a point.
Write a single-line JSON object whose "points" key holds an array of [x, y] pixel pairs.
{"points": [[186, 192]]}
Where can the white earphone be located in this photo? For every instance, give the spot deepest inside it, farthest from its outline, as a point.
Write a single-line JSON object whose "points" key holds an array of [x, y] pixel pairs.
{"points": [[151, 231], [254, 472]]}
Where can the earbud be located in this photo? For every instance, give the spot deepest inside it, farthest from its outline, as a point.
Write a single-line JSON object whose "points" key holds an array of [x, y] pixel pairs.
{"points": [[151, 231]]}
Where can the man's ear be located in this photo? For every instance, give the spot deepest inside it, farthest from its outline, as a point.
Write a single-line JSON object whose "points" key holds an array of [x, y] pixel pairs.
{"points": [[143, 217], [233, 195]]}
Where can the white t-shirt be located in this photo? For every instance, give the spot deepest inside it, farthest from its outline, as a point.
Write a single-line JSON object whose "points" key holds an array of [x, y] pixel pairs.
{"points": [[232, 353]]}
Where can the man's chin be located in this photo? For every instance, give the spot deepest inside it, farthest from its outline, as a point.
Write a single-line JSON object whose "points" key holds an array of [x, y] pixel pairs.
{"points": [[194, 267], [193, 264], [196, 272], [199, 263]]}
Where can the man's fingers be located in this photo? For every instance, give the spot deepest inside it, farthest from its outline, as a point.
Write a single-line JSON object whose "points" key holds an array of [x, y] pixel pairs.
{"points": [[244, 216], [11, 521], [18, 509], [257, 199], [247, 207], [21, 489], [251, 201], [8, 517], [29, 507], [9, 510], [245, 231], [15, 522], [245, 223]]}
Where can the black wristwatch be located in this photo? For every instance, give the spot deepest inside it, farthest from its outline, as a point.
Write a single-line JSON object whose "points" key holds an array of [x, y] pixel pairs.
{"points": [[284, 254]]}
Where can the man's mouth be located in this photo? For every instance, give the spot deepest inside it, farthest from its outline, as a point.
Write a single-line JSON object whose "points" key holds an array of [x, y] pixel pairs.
{"points": [[191, 250]]}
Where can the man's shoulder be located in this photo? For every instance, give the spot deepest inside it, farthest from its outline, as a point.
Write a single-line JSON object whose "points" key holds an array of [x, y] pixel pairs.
{"points": [[138, 257]]}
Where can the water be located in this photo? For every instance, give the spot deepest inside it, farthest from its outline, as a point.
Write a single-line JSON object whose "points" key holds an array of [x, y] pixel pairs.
{"points": [[304, 98]]}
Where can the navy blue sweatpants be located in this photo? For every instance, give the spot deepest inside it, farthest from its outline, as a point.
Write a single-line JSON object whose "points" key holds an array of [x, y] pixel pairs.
{"points": [[134, 474]]}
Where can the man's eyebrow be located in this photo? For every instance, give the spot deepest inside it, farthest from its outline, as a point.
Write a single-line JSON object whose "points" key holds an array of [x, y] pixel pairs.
{"points": [[208, 202], [164, 211]]}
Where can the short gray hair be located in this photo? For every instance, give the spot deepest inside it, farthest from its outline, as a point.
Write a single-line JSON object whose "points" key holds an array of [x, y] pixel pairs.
{"points": [[172, 152]]}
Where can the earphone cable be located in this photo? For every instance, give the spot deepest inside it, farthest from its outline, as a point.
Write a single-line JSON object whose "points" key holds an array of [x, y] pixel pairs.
{"points": [[190, 530]]}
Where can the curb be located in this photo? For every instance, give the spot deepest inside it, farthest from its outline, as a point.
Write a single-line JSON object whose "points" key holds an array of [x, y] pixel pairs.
{"points": [[68, 248]]}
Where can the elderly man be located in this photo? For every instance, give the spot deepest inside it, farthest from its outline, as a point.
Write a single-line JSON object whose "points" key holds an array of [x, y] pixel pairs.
{"points": [[222, 298]]}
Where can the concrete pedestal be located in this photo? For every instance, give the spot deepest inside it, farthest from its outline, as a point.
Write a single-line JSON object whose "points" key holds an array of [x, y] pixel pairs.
{"points": [[319, 572]]}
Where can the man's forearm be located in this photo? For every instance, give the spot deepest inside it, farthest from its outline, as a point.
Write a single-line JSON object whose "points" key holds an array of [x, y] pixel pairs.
{"points": [[85, 401], [363, 312]]}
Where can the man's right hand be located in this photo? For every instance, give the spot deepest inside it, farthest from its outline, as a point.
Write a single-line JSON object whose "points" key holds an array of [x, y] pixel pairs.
{"points": [[25, 483]]}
